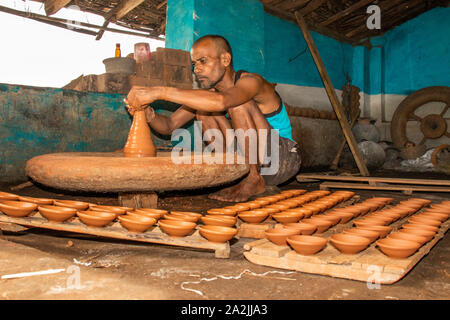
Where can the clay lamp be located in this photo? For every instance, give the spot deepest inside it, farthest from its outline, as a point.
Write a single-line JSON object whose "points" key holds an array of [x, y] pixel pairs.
{"points": [[181, 217], [96, 218], [405, 210], [136, 223], [423, 202], [369, 222], [260, 202], [155, 216], [443, 207], [153, 213], [222, 211], [287, 217], [389, 213], [382, 230], [294, 192], [239, 207], [289, 203], [369, 234], [269, 210], [187, 213], [385, 200], [8, 196], [214, 220], [377, 215], [304, 228], [114, 209], [427, 221], [427, 234], [254, 216], [320, 193], [279, 235], [414, 205], [335, 219], [37, 201], [306, 245], [346, 194], [363, 208], [315, 209], [408, 236], [321, 224], [55, 213], [438, 210], [306, 212], [219, 234], [342, 214], [282, 196], [176, 228], [326, 203], [17, 208], [354, 210], [79, 205], [434, 215], [397, 248], [349, 243], [446, 203], [420, 226], [279, 207], [271, 199]]}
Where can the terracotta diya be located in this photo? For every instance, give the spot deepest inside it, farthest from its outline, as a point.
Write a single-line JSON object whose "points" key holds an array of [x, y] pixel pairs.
{"points": [[369, 234], [214, 220], [8, 196], [219, 234], [79, 205], [279, 235], [17, 208], [427, 234], [349, 243], [304, 228], [176, 228], [36, 200], [113, 209], [254, 216], [421, 226], [321, 223], [397, 248], [222, 211], [382, 230], [136, 223], [306, 245], [96, 218], [55, 213], [427, 221], [287, 217], [408, 236]]}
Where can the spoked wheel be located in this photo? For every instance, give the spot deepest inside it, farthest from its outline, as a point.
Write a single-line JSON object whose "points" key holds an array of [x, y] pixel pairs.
{"points": [[429, 109]]}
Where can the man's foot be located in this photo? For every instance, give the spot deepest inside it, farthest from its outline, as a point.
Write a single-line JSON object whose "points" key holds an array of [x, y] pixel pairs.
{"points": [[249, 186]]}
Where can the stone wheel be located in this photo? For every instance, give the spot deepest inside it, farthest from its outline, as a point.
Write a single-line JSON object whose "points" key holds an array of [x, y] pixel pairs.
{"points": [[430, 119]]}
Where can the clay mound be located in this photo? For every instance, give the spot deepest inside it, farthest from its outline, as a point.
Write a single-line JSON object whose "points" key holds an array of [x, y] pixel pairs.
{"points": [[112, 172]]}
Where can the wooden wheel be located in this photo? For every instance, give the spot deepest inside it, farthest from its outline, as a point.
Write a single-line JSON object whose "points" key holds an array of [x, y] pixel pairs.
{"points": [[431, 119]]}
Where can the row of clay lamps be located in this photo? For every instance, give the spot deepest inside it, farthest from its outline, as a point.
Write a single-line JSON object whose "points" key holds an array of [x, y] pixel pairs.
{"points": [[420, 229], [288, 206], [299, 235], [175, 223]]}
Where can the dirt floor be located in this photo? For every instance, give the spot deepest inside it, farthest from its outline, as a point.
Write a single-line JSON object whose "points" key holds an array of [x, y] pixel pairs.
{"points": [[98, 268]]}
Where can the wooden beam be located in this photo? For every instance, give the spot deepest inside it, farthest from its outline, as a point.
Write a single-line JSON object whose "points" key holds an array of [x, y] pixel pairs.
{"points": [[289, 5], [126, 6], [162, 4], [332, 95], [286, 15], [53, 6], [311, 6], [345, 12]]}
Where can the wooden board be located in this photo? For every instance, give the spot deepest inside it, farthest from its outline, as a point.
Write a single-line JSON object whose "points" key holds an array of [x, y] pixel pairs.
{"points": [[256, 231], [116, 231], [407, 189], [370, 265]]}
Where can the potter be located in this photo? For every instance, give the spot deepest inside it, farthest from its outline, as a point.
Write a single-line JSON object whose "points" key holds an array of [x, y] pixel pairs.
{"points": [[193, 310], [249, 101]]}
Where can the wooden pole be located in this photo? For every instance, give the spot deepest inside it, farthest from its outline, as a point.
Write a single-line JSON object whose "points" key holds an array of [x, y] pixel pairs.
{"points": [[332, 96]]}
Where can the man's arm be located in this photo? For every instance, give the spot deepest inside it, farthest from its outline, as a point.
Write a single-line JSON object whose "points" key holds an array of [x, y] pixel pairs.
{"points": [[166, 125], [203, 100]]}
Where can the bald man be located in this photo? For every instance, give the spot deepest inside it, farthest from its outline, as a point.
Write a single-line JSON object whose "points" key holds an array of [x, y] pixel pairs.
{"points": [[247, 99]]}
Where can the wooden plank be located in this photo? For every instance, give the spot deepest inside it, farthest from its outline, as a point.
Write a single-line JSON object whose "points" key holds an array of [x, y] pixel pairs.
{"points": [[126, 6], [311, 6], [406, 188], [332, 96], [53, 6], [368, 264], [375, 179], [345, 12], [289, 5], [155, 235]]}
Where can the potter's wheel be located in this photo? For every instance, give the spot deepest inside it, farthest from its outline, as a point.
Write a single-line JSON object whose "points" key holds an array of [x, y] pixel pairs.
{"points": [[112, 172]]}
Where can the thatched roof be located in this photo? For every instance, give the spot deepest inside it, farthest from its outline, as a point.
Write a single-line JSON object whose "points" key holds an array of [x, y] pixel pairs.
{"points": [[344, 20]]}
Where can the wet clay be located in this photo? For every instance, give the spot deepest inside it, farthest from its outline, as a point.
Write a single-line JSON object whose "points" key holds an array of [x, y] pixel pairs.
{"points": [[139, 143]]}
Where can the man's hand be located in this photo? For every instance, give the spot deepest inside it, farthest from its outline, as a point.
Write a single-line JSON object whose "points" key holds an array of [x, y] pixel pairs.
{"points": [[149, 111], [141, 96]]}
